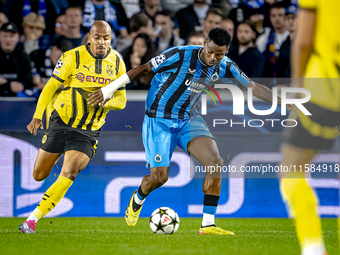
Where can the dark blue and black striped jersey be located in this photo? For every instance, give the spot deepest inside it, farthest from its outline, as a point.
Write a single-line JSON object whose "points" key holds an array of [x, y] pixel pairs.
{"points": [[180, 76]]}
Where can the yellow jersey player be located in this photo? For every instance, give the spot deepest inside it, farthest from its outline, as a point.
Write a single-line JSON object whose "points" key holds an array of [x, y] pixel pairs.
{"points": [[316, 67], [74, 125]]}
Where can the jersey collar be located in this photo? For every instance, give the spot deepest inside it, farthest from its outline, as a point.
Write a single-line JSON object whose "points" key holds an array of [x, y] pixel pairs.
{"points": [[90, 52], [199, 58]]}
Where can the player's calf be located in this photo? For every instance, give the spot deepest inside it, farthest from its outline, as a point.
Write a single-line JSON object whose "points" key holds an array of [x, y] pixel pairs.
{"points": [[158, 177]]}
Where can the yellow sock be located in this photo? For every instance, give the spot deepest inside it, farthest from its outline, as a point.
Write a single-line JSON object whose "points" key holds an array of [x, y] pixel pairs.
{"points": [[52, 196], [302, 203]]}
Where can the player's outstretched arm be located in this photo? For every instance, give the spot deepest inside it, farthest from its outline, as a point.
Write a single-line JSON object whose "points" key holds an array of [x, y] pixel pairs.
{"points": [[265, 94], [106, 92]]}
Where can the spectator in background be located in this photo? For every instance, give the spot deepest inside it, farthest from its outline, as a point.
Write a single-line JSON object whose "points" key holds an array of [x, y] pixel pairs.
{"points": [[139, 23], [269, 43], [73, 21], [15, 71], [60, 6], [131, 7], [166, 38], [257, 11], [228, 25], [140, 52], [33, 26], [284, 57], [246, 55], [174, 5], [191, 18], [44, 61], [246, 9], [16, 10], [60, 25], [150, 8], [278, 34], [213, 19], [196, 38], [104, 10], [3, 19]]}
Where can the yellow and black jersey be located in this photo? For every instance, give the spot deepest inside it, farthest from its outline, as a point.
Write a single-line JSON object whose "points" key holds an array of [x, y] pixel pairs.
{"points": [[325, 61], [82, 73]]}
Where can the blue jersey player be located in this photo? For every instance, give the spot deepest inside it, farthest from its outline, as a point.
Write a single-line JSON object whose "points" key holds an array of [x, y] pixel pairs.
{"points": [[170, 119]]}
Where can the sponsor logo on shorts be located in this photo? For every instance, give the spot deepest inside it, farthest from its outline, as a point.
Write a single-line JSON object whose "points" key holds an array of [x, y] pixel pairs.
{"points": [[158, 158], [44, 139]]}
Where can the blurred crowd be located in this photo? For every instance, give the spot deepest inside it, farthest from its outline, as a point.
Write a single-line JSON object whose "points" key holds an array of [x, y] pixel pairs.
{"points": [[35, 33]]}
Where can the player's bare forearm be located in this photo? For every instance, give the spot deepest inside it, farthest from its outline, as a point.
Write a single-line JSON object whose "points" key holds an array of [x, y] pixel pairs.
{"points": [[139, 71], [266, 94], [303, 45], [263, 92]]}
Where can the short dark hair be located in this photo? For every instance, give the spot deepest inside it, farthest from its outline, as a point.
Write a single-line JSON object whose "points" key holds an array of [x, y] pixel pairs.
{"points": [[220, 37], [137, 21], [250, 24], [75, 7], [277, 5], [214, 11], [166, 12], [196, 34]]}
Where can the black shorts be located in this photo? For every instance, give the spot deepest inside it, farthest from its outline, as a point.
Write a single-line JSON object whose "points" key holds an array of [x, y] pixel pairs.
{"points": [[317, 131], [59, 138]]}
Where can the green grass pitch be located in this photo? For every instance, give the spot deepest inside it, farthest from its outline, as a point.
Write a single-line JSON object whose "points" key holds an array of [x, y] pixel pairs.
{"points": [[63, 236]]}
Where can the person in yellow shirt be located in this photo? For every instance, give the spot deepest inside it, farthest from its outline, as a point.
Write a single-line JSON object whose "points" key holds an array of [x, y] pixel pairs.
{"points": [[316, 67], [74, 125]]}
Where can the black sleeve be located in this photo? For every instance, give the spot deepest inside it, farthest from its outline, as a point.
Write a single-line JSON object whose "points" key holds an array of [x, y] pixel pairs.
{"points": [[25, 75]]}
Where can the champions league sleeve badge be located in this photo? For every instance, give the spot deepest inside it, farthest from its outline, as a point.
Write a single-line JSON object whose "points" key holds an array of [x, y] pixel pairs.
{"points": [[158, 60], [59, 64]]}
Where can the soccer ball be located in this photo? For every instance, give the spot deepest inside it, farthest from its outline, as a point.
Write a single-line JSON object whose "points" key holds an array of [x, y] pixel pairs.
{"points": [[164, 220]]}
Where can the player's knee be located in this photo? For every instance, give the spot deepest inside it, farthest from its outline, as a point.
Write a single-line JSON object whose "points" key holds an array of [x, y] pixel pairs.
{"points": [[216, 160], [71, 171], [38, 174]]}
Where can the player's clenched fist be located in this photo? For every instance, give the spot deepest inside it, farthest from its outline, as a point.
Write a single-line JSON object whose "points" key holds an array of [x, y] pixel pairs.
{"points": [[34, 125]]}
